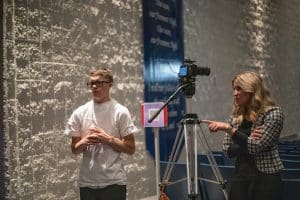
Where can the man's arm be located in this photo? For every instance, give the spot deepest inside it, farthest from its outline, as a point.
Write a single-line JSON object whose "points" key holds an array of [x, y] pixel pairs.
{"points": [[125, 145], [79, 144]]}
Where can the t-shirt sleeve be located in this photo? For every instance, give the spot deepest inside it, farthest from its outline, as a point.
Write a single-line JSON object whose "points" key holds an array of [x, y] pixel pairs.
{"points": [[73, 126], [126, 125]]}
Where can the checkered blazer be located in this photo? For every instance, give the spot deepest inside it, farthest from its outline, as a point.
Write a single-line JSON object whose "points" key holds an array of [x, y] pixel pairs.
{"points": [[265, 149]]}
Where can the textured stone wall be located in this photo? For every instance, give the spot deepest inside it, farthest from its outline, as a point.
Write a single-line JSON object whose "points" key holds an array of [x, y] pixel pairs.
{"points": [[49, 48], [231, 36]]}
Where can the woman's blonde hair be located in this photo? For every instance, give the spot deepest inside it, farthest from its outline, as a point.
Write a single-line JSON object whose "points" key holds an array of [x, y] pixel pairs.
{"points": [[261, 99]]}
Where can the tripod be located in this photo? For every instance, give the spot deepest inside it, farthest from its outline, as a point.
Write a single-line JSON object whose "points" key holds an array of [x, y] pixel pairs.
{"points": [[189, 131]]}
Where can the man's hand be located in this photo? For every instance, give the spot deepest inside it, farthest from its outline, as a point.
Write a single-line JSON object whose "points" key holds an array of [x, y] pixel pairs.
{"points": [[79, 144], [101, 135], [90, 139], [125, 144]]}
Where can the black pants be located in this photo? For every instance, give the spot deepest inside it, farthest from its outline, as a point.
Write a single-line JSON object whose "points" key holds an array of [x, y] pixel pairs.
{"points": [[112, 192], [264, 187]]}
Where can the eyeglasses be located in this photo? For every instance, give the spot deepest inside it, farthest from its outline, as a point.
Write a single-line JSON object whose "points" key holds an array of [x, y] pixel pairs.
{"points": [[96, 83]]}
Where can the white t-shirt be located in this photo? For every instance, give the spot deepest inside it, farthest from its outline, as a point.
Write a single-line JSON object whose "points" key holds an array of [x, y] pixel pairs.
{"points": [[101, 165]]}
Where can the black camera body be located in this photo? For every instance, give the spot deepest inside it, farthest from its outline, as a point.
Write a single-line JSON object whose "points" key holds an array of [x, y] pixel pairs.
{"points": [[187, 76], [189, 69]]}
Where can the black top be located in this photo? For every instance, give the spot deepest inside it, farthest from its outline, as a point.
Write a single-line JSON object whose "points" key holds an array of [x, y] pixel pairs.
{"points": [[245, 168], [265, 149]]}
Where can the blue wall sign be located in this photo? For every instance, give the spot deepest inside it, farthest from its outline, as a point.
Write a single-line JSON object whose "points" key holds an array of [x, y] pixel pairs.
{"points": [[163, 56]]}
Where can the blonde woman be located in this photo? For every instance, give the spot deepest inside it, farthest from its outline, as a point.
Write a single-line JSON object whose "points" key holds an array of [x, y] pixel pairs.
{"points": [[252, 134]]}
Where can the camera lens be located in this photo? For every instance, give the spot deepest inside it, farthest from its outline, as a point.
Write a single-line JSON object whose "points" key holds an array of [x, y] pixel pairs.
{"points": [[203, 71]]}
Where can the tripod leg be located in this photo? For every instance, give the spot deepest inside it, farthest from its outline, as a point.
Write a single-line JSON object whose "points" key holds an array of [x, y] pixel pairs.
{"points": [[191, 164], [190, 129], [173, 156], [213, 163]]}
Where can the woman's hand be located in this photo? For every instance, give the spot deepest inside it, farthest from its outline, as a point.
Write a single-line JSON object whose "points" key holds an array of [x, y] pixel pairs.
{"points": [[215, 126], [257, 133], [163, 196]]}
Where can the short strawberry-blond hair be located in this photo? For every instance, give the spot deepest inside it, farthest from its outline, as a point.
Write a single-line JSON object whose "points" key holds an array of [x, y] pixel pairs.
{"points": [[104, 72]]}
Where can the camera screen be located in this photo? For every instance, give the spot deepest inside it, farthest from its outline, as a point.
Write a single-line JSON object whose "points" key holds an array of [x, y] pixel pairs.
{"points": [[183, 71]]}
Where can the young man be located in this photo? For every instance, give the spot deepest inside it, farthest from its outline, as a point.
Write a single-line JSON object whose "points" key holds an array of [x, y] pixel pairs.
{"points": [[101, 129]]}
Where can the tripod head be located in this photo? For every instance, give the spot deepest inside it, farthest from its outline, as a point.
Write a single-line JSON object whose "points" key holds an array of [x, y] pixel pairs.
{"points": [[187, 76]]}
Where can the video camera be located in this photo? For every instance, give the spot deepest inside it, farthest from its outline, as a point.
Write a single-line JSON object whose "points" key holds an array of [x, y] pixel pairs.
{"points": [[187, 75], [189, 69]]}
